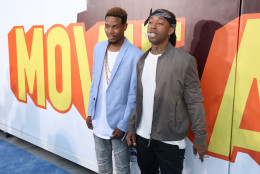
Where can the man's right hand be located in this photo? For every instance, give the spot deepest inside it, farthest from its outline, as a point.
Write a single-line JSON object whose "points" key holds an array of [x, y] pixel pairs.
{"points": [[201, 150], [89, 122], [130, 138]]}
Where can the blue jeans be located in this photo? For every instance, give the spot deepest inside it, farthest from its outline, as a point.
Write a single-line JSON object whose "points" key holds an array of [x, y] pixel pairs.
{"points": [[169, 158], [104, 149]]}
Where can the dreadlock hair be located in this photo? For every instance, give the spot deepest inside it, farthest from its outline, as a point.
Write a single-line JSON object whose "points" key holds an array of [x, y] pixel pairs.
{"points": [[117, 12], [172, 39]]}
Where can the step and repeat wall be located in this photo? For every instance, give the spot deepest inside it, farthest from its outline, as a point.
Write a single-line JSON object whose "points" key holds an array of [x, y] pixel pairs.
{"points": [[46, 68]]}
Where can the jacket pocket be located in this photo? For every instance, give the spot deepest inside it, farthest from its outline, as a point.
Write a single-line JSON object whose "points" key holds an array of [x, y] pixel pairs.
{"points": [[172, 124]]}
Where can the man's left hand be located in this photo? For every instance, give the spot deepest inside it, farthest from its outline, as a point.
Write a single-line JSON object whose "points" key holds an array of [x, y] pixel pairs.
{"points": [[201, 150], [117, 134]]}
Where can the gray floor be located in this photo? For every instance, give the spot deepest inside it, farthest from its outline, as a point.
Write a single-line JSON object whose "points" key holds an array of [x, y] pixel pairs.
{"points": [[48, 156]]}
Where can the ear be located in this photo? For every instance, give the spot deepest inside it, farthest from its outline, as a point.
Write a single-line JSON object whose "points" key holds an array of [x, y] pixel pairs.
{"points": [[125, 26], [170, 31]]}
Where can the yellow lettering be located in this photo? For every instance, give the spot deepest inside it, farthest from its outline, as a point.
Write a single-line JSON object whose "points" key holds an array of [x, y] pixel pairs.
{"points": [[59, 37], [31, 67], [84, 72]]}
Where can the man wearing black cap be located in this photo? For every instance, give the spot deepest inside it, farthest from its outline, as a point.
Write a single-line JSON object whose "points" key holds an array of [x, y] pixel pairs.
{"points": [[168, 98]]}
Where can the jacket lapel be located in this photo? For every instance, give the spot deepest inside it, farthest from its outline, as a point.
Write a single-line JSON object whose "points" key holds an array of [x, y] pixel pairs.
{"points": [[119, 58], [100, 63]]}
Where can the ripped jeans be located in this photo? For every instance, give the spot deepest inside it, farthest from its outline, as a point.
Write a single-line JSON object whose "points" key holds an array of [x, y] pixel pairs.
{"points": [[104, 149]]}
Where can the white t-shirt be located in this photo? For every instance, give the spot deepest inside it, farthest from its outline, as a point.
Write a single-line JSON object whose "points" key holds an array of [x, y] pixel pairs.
{"points": [[100, 125], [149, 86]]}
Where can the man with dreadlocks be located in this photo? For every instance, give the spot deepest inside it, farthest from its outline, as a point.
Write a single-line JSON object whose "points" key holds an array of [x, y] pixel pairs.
{"points": [[168, 98], [112, 93]]}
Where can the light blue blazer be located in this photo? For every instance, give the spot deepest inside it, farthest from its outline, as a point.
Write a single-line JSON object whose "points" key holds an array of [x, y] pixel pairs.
{"points": [[121, 89]]}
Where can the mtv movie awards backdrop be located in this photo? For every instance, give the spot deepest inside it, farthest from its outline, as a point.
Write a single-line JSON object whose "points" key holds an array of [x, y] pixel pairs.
{"points": [[46, 68]]}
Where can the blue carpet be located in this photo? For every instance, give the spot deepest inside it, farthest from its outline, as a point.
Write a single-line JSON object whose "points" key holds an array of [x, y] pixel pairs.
{"points": [[14, 160]]}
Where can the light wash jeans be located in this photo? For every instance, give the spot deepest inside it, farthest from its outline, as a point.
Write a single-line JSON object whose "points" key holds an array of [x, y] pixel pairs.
{"points": [[104, 149]]}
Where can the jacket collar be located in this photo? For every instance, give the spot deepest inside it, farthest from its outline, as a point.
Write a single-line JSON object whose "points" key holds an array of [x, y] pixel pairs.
{"points": [[166, 51]]}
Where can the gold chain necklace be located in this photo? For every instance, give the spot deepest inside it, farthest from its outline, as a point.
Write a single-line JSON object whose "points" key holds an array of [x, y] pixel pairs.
{"points": [[107, 67]]}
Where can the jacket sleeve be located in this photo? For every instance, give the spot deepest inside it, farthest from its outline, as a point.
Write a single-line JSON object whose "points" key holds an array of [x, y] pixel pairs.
{"points": [[194, 100], [131, 121], [91, 102], [131, 99]]}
